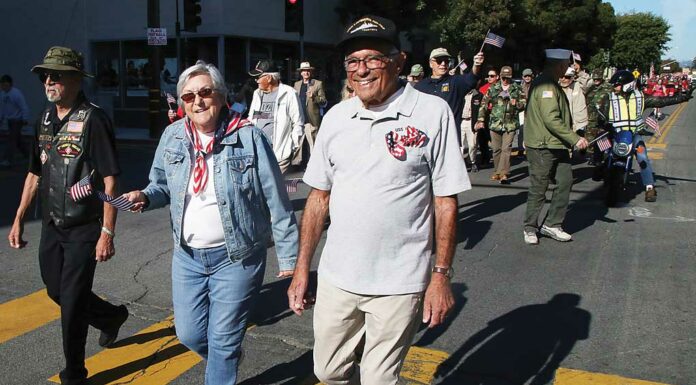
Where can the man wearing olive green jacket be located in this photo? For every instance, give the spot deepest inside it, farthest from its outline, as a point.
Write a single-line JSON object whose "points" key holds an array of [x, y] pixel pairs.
{"points": [[548, 136]]}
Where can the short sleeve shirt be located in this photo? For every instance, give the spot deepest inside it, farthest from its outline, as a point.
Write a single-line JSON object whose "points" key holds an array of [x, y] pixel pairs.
{"points": [[452, 89], [266, 113], [383, 174]]}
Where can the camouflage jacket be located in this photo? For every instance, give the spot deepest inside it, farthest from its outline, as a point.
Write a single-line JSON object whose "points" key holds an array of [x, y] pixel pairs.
{"points": [[594, 97], [502, 114]]}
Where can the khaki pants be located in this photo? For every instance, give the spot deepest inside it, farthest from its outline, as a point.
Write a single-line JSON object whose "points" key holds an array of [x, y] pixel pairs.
{"points": [[310, 134], [502, 143], [468, 140], [342, 319]]}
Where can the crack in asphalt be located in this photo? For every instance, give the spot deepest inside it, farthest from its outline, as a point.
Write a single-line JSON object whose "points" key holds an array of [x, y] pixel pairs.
{"points": [[140, 268], [152, 360], [282, 338]]}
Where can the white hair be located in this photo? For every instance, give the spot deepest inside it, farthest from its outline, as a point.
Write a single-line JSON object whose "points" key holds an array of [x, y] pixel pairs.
{"points": [[275, 76], [202, 68]]}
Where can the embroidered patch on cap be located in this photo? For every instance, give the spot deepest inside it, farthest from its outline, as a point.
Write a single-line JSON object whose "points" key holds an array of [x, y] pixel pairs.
{"points": [[547, 94], [366, 24]]}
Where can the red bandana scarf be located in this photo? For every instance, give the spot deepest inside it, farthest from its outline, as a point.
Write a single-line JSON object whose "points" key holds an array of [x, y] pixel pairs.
{"points": [[200, 168]]}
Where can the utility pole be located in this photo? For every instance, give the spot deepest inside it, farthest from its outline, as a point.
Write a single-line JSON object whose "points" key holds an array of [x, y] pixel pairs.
{"points": [[154, 93], [178, 40]]}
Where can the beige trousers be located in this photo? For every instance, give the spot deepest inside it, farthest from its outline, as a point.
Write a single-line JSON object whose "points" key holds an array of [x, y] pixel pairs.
{"points": [[502, 143], [468, 140], [342, 319], [310, 135]]}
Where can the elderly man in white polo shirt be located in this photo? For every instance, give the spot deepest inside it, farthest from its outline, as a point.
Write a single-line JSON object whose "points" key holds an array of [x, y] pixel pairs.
{"points": [[387, 167]]}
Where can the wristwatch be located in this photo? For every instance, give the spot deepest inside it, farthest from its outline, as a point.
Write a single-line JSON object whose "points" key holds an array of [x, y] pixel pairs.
{"points": [[447, 271]]}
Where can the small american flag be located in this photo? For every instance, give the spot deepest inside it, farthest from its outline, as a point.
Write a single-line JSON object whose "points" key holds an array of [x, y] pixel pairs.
{"points": [[494, 39], [394, 145], [170, 98], [291, 185], [654, 124], [121, 203], [603, 144], [81, 189], [576, 57]]}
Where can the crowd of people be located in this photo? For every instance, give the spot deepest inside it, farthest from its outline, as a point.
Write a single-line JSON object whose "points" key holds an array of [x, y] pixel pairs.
{"points": [[391, 158]]}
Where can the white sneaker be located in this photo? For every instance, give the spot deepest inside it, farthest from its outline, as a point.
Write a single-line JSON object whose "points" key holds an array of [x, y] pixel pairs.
{"points": [[556, 233], [530, 238]]}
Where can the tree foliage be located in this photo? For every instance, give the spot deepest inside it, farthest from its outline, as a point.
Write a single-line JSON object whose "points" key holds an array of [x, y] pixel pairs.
{"points": [[641, 39]]}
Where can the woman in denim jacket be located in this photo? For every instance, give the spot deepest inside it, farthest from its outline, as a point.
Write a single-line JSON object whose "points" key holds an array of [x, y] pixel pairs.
{"points": [[226, 196]]}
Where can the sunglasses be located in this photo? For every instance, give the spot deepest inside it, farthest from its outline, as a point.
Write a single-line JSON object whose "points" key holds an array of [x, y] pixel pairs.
{"points": [[440, 60], [492, 75], [202, 93], [56, 77]]}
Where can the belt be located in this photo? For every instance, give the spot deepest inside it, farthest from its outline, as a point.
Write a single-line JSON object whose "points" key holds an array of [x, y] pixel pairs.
{"points": [[466, 118]]}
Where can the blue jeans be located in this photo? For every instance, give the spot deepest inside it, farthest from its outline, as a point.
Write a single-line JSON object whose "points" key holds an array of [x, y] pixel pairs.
{"points": [[646, 171], [212, 301]]}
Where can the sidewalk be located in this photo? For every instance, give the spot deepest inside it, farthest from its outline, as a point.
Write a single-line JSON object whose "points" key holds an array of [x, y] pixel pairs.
{"points": [[123, 134]]}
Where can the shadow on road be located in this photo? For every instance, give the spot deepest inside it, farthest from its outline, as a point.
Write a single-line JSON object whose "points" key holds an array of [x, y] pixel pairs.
{"points": [[272, 302], [431, 335], [526, 344], [472, 226], [294, 372]]}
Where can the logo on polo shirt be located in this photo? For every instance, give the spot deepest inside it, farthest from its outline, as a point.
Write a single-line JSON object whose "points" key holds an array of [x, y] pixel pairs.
{"points": [[445, 87], [400, 138]]}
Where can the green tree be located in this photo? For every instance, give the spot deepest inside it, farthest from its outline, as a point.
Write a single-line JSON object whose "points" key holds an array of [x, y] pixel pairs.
{"points": [[641, 39]]}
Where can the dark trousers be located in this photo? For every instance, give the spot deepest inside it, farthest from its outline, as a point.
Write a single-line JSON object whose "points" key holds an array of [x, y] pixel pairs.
{"points": [[67, 262], [14, 139], [483, 136], [543, 163]]}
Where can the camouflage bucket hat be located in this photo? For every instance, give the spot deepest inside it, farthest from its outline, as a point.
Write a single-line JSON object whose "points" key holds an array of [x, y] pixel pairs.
{"points": [[62, 59]]}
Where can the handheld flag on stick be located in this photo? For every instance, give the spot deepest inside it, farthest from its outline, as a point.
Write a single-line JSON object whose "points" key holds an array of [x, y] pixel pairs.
{"points": [[603, 143], [291, 185], [654, 124], [82, 189], [121, 203], [576, 57], [493, 39], [171, 100]]}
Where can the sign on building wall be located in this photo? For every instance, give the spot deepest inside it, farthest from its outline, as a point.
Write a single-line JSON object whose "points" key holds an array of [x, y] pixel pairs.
{"points": [[156, 36]]}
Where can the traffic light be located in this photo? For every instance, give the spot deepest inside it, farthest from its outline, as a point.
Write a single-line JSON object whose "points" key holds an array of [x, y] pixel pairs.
{"points": [[294, 16], [192, 15]]}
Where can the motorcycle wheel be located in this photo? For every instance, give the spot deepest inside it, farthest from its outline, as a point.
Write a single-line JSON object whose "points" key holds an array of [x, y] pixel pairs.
{"points": [[614, 186]]}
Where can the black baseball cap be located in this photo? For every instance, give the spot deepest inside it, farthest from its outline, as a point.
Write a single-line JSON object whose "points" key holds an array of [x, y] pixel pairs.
{"points": [[262, 67], [371, 27]]}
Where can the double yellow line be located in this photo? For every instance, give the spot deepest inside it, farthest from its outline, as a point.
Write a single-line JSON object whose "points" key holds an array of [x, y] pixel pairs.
{"points": [[668, 125]]}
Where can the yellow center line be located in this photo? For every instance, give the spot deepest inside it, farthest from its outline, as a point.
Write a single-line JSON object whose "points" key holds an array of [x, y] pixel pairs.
{"points": [[153, 356], [669, 124], [580, 377], [25, 314]]}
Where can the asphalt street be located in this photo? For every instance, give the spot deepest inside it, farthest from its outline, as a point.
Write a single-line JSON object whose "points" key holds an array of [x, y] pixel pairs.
{"points": [[619, 299]]}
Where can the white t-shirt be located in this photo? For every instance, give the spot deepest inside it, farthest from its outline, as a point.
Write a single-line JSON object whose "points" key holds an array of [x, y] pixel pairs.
{"points": [[202, 227]]}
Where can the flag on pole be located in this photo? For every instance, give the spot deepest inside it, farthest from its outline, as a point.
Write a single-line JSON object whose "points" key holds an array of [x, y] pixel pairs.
{"points": [[463, 67], [121, 203], [494, 39], [576, 57], [81, 189], [603, 144], [291, 185], [654, 124], [652, 70]]}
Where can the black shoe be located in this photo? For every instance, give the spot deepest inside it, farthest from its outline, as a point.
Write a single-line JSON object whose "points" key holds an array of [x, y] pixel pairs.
{"points": [[108, 336], [598, 173]]}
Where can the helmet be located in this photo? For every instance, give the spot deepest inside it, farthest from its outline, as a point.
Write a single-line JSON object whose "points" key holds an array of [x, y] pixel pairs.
{"points": [[621, 78]]}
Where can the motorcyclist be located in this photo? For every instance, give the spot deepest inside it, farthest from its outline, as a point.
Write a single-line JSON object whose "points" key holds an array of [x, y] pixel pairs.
{"points": [[623, 108]]}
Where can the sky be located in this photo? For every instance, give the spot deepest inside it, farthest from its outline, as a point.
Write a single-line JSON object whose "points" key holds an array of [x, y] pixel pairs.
{"points": [[680, 15]]}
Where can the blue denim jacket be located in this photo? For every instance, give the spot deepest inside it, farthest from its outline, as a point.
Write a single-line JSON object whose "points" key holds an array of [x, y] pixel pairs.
{"points": [[249, 187]]}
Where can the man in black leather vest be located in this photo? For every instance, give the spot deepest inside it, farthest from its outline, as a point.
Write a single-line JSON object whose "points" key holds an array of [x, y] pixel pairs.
{"points": [[73, 139]]}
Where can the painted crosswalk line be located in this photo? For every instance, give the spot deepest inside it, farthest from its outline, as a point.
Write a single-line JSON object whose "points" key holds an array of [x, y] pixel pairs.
{"points": [[25, 314], [419, 366], [579, 377], [153, 356]]}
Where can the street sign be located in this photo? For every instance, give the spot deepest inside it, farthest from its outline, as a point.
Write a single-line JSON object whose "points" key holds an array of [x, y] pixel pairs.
{"points": [[156, 36]]}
